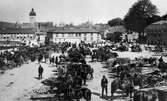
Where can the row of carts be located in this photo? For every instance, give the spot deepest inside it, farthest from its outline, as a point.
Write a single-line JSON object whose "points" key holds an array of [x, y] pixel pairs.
{"points": [[67, 83]]}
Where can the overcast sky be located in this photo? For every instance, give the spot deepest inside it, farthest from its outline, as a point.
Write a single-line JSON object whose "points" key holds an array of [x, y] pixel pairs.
{"points": [[76, 11]]}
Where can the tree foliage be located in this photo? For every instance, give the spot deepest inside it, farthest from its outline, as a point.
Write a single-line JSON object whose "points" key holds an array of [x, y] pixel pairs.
{"points": [[115, 22], [114, 37], [138, 16]]}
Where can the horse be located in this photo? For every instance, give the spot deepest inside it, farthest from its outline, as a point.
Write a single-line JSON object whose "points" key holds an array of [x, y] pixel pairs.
{"points": [[125, 85]]}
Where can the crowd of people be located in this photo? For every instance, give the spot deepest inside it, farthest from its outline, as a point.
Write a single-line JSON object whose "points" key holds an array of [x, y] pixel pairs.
{"points": [[77, 71]]}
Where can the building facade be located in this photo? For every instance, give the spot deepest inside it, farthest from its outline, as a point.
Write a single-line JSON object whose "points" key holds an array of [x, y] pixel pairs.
{"points": [[74, 35], [16, 37], [132, 37], [157, 33], [114, 29]]}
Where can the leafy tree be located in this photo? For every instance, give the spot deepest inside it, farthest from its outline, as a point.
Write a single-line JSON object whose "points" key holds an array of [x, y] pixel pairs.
{"points": [[138, 16], [115, 22], [114, 37]]}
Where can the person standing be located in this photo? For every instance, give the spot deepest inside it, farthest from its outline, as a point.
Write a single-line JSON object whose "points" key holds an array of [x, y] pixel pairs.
{"points": [[91, 73], [40, 72], [104, 85], [56, 61]]}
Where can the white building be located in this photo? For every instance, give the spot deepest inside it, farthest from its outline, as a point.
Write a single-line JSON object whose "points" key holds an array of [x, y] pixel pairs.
{"points": [[114, 29], [130, 37], [16, 37], [74, 35]]}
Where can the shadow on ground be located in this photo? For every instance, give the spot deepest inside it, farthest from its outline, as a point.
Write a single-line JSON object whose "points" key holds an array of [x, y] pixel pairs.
{"points": [[109, 98]]}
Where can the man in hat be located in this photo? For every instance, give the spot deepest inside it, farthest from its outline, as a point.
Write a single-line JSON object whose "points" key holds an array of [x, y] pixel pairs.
{"points": [[104, 84], [40, 71]]}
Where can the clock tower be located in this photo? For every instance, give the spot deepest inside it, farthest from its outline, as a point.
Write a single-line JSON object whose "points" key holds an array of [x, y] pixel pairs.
{"points": [[32, 16]]}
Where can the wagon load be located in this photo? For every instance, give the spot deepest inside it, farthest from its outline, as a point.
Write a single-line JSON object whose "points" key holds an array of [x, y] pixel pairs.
{"points": [[136, 48]]}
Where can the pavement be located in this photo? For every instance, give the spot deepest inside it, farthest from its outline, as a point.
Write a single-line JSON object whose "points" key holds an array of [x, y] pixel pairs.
{"points": [[15, 84]]}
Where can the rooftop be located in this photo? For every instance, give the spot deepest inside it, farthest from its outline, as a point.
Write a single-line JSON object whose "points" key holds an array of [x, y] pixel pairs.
{"points": [[157, 26], [74, 30], [17, 31], [161, 22]]}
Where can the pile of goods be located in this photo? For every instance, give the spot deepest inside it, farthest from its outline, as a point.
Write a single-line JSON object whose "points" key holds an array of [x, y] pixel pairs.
{"points": [[70, 78], [136, 48], [42, 90]]}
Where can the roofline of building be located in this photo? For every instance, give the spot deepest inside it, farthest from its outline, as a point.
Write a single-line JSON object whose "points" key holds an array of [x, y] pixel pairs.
{"points": [[18, 31]]}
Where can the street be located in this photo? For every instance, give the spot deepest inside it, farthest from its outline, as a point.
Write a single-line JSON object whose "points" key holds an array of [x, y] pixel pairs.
{"points": [[17, 83]]}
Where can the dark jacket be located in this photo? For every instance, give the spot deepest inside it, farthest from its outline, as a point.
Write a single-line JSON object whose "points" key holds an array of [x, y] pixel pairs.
{"points": [[40, 69], [104, 82]]}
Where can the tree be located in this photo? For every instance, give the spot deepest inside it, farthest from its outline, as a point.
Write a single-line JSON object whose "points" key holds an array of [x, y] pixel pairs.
{"points": [[138, 16], [115, 22], [114, 37]]}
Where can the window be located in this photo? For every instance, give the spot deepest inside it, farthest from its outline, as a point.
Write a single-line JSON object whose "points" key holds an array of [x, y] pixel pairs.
{"points": [[79, 34], [91, 34], [91, 38], [72, 34], [84, 38], [62, 35], [56, 35], [68, 34]]}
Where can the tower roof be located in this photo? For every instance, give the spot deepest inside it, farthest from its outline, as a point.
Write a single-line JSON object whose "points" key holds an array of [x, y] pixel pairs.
{"points": [[32, 13]]}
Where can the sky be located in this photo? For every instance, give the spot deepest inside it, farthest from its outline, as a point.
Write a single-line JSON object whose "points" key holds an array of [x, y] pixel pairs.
{"points": [[69, 11]]}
